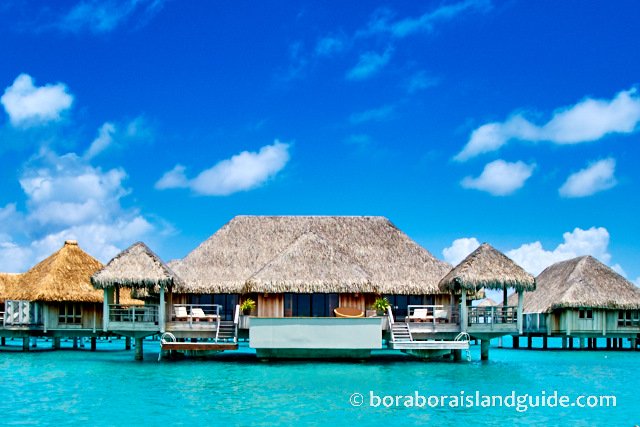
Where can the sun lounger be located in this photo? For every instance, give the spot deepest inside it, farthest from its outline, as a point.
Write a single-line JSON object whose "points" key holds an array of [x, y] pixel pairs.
{"points": [[181, 313], [441, 315], [420, 315], [199, 315]]}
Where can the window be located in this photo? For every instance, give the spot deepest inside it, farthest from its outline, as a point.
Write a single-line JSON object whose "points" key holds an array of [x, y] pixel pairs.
{"points": [[585, 314], [227, 302], [309, 305], [629, 318], [399, 303], [70, 314]]}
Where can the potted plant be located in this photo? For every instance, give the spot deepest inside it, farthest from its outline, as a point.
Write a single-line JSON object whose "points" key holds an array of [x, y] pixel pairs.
{"points": [[247, 306], [380, 306]]}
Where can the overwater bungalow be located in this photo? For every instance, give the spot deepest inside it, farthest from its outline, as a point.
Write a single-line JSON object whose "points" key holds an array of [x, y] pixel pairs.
{"points": [[488, 268], [55, 298], [585, 299]]}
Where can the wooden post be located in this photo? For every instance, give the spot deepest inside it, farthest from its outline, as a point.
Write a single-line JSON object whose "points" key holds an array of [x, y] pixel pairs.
{"points": [[581, 343], [457, 355], [139, 349], [484, 349], [608, 343], [3, 341], [93, 343], [544, 342], [516, 341], [564, 343], [529, 342], [56, 343], [463, 311], [127, 343], [75, 343], [571, 343], [25, 344], [520, 308], [595, 343], [161, 320], [620, 344]]}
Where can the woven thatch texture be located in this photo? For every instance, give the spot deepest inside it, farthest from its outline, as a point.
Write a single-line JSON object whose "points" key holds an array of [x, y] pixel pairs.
{"points": [[135, 267], [310, 254], [9, 285], [64, 276], [582, 282], [488, 268]]}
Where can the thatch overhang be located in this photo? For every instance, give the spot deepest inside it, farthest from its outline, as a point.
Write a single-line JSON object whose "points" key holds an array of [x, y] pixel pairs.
{"points": [[137, 267], [310, 254], [65, 276], [582, 282], [9, 285], [488, 268]]}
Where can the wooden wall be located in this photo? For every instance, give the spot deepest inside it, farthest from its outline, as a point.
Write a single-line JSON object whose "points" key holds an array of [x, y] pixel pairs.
{"points": [[51, 311], [353, 300], [270, 305], [568, 321]]}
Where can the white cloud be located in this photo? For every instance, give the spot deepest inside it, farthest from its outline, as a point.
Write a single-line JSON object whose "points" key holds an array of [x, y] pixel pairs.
{"points": [[375, 114], [534, 258], [28, 105], [102, 141], [241, 172], [382, 21], [459, 250], [369, 64], [588, 120], [598, 176], [104, 16], [420, 81], [330, 45], [68, 198], [500, 178]]}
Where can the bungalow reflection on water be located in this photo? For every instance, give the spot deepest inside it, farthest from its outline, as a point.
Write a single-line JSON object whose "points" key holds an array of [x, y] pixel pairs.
{"points": [[304, 273]]}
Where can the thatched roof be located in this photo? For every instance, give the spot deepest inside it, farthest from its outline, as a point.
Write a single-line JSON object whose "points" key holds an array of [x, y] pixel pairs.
{"points": [[488, 268], [582, 282], [62, 277], [136, 267], [9, 283], [488, 302], [310, 254]]}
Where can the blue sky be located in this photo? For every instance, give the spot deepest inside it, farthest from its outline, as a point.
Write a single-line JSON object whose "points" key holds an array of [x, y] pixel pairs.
{"points": [[462, 121]]}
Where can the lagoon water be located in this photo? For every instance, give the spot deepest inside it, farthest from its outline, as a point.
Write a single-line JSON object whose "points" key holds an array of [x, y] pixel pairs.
{"points": [[78, 387]]}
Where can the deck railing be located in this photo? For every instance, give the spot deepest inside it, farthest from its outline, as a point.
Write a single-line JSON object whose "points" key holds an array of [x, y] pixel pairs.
{"points": [[493, 315], [433, 313], [196, 313], [133, 313]]}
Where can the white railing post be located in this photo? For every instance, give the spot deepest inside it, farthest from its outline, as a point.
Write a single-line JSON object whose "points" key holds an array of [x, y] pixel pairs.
{"points": [[463, 311], [161, 315], [105, 311], [390, 315]]}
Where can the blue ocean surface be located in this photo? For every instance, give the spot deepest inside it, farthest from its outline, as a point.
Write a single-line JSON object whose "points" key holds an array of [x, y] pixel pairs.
{"points": [[109, 388]]}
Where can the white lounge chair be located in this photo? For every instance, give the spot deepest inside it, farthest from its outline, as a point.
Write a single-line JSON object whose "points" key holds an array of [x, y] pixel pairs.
{"points": [[181, 313], [420, 315], [198, 315]]}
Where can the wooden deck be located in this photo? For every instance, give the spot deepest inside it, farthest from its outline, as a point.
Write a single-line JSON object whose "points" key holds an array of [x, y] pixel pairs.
{"points": [[199, 346]]}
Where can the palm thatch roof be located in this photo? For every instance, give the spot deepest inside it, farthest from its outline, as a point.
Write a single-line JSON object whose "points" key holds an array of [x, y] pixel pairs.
{"points": [[488, 302], [136, 267], [488, 268], [275, 254], [62, 277], [9, 283], [582, 282]]}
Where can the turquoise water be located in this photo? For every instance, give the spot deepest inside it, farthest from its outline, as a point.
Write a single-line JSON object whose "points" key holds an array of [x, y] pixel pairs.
{"points": [[78, 387]]}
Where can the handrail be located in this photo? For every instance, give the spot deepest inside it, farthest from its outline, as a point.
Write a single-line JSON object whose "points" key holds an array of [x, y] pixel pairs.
{"points": [[133, 313], [236, 321], [493, 314], [390, 316]]}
